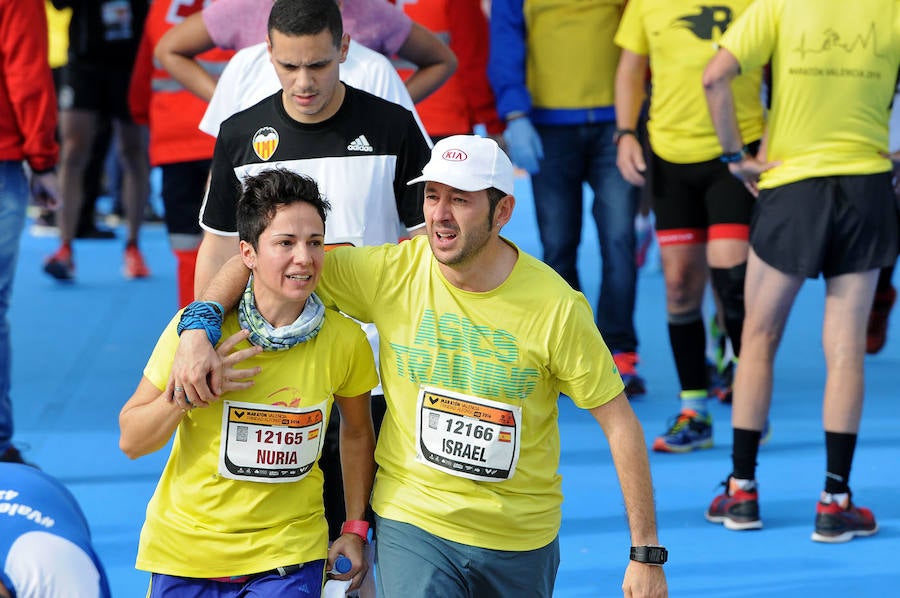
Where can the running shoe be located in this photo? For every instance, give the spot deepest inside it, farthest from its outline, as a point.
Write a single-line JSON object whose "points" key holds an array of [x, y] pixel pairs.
{"points": [[689, 431], [722, 382], [626, 363], [841, 522], [719, 342], [60, 265], [134, 264], [876, 333], [736, 508]]}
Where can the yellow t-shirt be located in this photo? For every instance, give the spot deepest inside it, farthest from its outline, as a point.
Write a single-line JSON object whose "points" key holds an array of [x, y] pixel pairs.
{"points": [[571, 58], [680, 38], [834, 67], [517, 347], [58, 34], [236, 527]]}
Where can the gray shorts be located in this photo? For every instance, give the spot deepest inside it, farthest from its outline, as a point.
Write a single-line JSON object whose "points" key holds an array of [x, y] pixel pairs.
{"points": [[827, 225], [413, 563]]}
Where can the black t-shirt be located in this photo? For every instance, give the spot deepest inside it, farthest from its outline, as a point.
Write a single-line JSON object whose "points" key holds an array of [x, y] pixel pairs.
{"points": [[105, 32], [361, 158]]}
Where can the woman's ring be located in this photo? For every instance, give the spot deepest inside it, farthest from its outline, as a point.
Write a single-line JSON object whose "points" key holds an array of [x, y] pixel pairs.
{"points": [[179, 389]]}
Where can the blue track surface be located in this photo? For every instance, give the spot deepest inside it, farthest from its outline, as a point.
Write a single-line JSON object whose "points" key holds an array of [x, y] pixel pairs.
{"points": [[79, 351]]}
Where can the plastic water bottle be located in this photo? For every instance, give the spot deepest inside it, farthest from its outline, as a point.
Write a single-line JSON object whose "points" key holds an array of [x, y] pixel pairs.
{"points": [[335, 588], [341, 565]]}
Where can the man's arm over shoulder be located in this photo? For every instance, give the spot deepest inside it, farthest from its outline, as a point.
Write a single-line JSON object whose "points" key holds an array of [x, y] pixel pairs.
{"points": [[214, 251]]}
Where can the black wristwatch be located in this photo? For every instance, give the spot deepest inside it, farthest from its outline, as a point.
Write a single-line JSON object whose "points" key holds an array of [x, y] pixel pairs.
{"points": [[651, 555]]}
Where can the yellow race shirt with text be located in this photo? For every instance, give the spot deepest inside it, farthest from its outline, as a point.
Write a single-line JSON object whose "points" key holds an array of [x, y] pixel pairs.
{"points": [[520, 345], [834, 69], [201, 524], [680, 38]]}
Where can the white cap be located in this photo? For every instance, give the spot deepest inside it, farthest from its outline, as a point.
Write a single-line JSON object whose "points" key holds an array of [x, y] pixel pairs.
{"points": [[468, 163]]}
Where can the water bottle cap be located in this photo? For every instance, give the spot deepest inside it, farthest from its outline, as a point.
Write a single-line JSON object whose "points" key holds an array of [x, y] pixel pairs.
{"points": [[342, 564]]}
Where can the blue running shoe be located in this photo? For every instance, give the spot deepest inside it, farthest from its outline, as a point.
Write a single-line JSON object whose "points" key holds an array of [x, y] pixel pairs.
{"points": [[690, 431]]}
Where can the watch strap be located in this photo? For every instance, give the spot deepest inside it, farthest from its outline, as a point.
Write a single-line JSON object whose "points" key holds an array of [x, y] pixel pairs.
{"points": [[619, 133], [356, 526], [651, 555]]}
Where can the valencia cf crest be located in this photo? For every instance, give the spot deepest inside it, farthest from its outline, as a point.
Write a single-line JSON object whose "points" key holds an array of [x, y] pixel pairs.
{"points": [[265, 142]]}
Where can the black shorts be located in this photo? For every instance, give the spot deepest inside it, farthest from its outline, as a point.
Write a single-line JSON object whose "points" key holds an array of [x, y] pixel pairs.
{"points": [[697, 202], [102, 89], [183, 187], [829, 225]]}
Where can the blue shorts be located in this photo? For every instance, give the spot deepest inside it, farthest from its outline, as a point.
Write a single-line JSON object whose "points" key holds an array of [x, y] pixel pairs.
{"points": [[305, 583], [412, 562]]}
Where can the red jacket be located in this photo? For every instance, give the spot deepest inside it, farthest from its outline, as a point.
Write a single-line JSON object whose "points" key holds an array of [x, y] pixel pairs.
{"points": [[155, 98], [466, 99], [27, 95]]}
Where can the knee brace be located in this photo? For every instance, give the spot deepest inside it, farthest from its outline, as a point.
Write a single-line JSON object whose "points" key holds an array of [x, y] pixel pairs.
{"points": [[729, 286]]}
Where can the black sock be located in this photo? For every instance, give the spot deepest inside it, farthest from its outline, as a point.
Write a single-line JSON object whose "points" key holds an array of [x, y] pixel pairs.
{"points": [[688, 341], [884, 279], [839, 448], [746, 447]]}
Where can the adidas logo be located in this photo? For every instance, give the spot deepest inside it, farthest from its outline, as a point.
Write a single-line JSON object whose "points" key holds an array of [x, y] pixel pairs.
{"points": [[360, 144]]}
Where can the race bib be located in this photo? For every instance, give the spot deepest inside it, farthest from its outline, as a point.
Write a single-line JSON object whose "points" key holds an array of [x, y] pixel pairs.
{"points": [[467, 436], [270, 443], [117, 20]]}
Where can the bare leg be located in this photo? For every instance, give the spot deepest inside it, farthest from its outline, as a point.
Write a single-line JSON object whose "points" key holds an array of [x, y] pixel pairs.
{"points": [[769, 296], [135, 173], [726, 253], [684, 268], [847, 301], [77, 131]]}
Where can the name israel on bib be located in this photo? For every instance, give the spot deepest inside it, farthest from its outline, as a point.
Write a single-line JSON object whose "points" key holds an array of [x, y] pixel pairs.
{"points": [[270, 443], [467, 436]]}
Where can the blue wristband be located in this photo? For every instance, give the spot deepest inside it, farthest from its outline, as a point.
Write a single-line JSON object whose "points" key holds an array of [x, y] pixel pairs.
{"points": [[732, 157], [203, 315]]}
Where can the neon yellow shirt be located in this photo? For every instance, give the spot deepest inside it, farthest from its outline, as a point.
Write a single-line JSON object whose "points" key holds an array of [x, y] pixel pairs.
{"points": [[234, 527], [519, 345], [680, 39], [834, 70], [571, 59], [57, 34]]}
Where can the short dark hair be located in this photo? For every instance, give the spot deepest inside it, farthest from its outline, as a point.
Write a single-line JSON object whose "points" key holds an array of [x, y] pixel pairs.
{"points": [[306, 17], [265, 192], [494, 196]]}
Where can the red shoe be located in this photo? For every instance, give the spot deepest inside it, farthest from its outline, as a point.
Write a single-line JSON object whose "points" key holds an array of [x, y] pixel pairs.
{"points": [[626, 363], [736, 509], [876, 333], [134, 264], [841, 522], [60, 265]]}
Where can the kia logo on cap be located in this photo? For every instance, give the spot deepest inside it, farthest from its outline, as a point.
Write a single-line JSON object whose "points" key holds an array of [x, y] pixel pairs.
{"points": [[454, 155]]}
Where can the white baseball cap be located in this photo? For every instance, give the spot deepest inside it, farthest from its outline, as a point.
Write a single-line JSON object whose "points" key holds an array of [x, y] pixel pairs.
{"points": [[468, 163]]}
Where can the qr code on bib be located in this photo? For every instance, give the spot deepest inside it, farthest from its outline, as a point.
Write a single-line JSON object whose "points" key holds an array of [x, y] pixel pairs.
{"points": [[240, 434]]}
